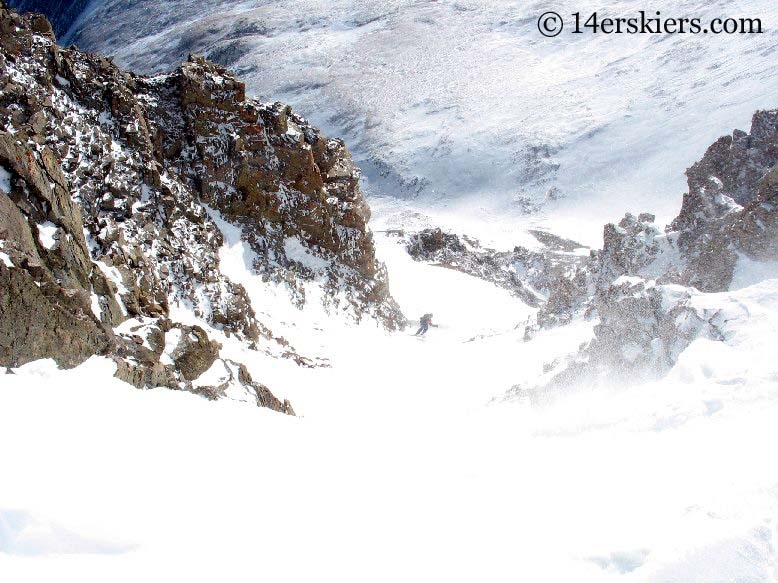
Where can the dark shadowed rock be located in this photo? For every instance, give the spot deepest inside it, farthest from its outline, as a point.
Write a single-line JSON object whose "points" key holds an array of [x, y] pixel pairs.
{"points": [[728, 178], [755, 230], [61, 13], [195, 352], [41, 319]]}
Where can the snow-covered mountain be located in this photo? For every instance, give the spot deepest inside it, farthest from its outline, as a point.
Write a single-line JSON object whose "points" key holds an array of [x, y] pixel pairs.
{"points": [[464, 108], [581, 411]]}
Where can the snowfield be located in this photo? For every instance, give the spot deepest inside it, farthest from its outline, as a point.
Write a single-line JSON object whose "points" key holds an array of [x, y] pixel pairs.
{"points": [[406, 462]]}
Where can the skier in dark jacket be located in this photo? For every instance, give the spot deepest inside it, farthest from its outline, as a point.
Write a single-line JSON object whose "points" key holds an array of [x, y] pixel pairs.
{"points": [[426, 322]]}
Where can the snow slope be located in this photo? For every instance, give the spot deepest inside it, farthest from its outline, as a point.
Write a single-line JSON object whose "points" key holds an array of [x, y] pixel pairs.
{"points": [[402, 465], [461, 114], [408, 462]]}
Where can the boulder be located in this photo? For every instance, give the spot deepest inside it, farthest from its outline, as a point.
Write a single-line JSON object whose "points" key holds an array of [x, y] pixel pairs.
{"points": [[195, 352]]}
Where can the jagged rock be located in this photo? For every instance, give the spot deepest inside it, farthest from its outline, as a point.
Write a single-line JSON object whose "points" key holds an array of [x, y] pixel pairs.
{"points": [[733, 167], [643, 329], [236, 376], [641, 284], [555, 242], [264, 397], [44, 298], [755, 230], [429, 244], [527, 274], [729, 177], [643, 325], [61, 13], [41, 319], [567, 296], [731, 208], [144, 375], [628, 249], [110, 311], [294, 192], [104, 221], [162, 143], [165, 354]]}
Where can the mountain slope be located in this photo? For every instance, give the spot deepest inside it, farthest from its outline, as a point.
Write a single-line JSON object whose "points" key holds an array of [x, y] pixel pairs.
{"points": [[397, 470], [225, 240], [463, 108]]}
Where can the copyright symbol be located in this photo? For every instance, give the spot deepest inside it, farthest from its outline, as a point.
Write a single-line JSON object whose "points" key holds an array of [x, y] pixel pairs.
{"points": [[550, 24]]}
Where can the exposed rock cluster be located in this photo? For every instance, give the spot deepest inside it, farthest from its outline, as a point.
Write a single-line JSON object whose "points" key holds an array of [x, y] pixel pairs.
{"points": [[525, 273], [110, 186], [641, 283]]}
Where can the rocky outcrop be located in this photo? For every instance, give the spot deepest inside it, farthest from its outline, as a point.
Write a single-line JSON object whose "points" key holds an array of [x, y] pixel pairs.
{"points": [[164, 354], [232, 379], [722, 215], [39, 318], [730, 210], [643, 328], [294, 192], [61, 13], [755, 229], [629, 248], [527, 274], [110, 188], [641, 285], [733, 167]]}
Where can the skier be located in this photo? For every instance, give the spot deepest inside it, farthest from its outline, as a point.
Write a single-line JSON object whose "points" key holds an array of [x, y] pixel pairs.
{"points": [[426, 322]]}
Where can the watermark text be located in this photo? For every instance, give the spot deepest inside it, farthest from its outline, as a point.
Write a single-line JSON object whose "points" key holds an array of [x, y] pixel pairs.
{"points": [[551, 24]]}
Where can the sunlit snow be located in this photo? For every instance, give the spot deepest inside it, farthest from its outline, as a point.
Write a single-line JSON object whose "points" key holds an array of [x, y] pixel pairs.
{"points": [[405, 462]]}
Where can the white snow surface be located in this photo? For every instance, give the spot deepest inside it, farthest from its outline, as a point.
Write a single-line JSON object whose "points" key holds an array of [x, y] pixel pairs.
{"points": [[46, 232], [296, 251], [460, 112], [5, 180], [405, 464], [172, 339]]}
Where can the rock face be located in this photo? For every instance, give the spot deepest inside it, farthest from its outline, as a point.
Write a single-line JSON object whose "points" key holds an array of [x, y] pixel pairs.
{"points": [[755, 229], [294, 192], [643, 328], [110, 188], [730, 210], [721, 214]]}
